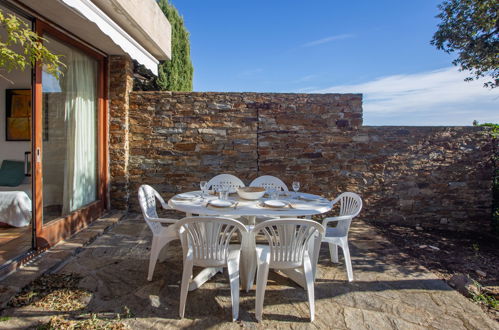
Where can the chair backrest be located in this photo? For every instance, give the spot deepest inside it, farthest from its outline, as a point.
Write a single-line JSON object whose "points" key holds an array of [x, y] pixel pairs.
{"points": [[208, 238], [231, 181], [289, 239], [269, 182], [147, 201], [350, 204]]}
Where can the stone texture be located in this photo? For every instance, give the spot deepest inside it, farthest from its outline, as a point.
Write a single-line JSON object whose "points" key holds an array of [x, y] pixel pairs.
{"points": [[411, 175], [390, 290], [120, 86], [54, 258]]}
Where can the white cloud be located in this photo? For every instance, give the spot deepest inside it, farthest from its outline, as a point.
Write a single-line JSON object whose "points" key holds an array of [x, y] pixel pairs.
{"points": [[328, 39], [307, 89], [304, 79], [439, 97]]}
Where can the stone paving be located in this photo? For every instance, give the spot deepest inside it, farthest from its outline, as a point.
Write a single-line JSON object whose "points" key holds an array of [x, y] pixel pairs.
{"points": [[390, 290]]}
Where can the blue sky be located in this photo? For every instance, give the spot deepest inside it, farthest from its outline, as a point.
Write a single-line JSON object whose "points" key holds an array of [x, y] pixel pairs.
{"points": [[378, 48]]}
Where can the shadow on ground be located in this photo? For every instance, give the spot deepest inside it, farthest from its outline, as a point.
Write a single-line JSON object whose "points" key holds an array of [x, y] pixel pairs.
{"points": [[390, 291]]}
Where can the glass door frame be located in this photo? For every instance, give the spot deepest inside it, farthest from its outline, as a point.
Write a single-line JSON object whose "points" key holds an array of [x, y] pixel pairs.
{"points": [[49, 234]]}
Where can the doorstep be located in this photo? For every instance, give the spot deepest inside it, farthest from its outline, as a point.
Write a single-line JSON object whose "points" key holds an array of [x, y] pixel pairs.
{"points": [[54, 258]]}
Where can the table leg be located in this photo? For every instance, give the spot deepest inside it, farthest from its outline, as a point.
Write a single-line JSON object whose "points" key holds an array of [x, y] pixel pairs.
{"points": [[248, 257], [204, 276], [296, 275]]}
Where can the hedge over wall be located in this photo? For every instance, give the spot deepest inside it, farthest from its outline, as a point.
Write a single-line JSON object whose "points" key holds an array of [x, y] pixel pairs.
{"points": [[176, 74]]}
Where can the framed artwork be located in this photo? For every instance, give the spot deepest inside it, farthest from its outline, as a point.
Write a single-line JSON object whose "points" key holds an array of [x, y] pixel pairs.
{"points": [[18, 114]]}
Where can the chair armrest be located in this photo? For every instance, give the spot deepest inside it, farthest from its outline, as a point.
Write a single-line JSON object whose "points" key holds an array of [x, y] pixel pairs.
{"points": [[165, 206], [326, 221], [163, 220]]}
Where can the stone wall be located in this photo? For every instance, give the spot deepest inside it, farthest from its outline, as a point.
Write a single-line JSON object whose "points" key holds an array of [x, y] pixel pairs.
{"points": [[120, 86], [411, 175], [426, 175]]}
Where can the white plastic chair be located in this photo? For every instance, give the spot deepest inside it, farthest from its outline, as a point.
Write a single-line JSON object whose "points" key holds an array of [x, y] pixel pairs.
{"points": [[350, 206], [269, 182], [288, 249], [205, 242], [231, 181], [161, 235]]}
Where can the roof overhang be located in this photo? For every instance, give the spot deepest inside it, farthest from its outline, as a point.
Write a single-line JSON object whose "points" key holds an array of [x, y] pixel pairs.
{"points": [[144, 21], [92, 25]]}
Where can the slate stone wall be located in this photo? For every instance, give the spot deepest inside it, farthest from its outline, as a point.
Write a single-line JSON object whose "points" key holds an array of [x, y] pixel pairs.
{"points": [[120, 86], [433, 176]]}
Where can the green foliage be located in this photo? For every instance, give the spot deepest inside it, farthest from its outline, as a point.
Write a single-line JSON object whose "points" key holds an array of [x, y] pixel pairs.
{"points": [[176, 74], [484, 298], [20, 35], [493, 131], [471, 28]]}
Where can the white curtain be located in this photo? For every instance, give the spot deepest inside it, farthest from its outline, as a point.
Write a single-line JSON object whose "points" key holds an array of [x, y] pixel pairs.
{"points": [[79, 84]]}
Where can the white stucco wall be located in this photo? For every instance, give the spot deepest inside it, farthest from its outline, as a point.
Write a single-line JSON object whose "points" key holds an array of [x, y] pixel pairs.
{"points": [[13, 150]]}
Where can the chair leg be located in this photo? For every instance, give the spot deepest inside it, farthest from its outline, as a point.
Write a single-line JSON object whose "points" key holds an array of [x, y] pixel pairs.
{"points": [[333, 251], [309, 279], [155, 250], [233, 270], [184, 286], [261, 284], [348, 261]]}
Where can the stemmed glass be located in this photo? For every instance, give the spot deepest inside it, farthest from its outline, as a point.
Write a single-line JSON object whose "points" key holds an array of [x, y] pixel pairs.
{"points": [[296, 186], [203, 185]]}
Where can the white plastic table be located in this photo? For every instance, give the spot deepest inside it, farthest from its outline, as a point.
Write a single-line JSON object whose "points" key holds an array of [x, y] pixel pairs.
{"points": [[301, 204]]}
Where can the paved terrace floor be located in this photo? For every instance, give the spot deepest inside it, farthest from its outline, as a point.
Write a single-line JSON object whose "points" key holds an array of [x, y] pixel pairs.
{"points": [[390, 290]]}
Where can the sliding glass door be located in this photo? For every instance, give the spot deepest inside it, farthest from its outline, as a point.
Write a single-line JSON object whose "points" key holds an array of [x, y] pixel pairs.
{"points": [[69, 133], [70, 140]]}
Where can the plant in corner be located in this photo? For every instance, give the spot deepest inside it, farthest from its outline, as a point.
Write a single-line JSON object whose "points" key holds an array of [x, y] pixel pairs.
{"points": [[493, 131], [176, 74]]}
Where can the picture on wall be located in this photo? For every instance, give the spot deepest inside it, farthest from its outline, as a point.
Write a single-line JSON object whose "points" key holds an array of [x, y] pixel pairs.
{"points": [[18, 114]]}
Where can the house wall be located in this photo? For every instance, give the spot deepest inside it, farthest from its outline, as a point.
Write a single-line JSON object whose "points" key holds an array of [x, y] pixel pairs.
{"points": [[434, 176], [120, 86], [16, 79], [12, 150]]}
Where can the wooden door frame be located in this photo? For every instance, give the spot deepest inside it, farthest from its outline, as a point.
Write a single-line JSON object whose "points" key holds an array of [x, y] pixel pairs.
{"points": [[56, 230]]}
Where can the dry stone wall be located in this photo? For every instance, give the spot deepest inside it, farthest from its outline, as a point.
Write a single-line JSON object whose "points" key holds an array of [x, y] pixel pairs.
{"points": [[120, 86], [414, 175], [434, 176]]}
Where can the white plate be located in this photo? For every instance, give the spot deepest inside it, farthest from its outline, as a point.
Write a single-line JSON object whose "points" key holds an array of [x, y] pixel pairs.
{"points": [[275, 203], [186, 196], [220, 203]]}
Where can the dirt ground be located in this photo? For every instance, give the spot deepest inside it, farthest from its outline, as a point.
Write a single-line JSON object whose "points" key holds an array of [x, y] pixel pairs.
{"points": [[447, 253]]}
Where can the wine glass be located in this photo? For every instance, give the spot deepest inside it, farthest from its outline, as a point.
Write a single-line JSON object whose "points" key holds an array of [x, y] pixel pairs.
{"points": [[203, 185], [296, 186]]}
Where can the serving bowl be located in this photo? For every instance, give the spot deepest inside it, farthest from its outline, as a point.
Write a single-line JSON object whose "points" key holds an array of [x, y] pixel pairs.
{"points": [[251, 193]]}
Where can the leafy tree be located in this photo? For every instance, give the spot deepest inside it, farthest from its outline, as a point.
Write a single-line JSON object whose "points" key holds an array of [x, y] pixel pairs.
{"points": [[471, 28], [176, 74], [20, 35]]}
